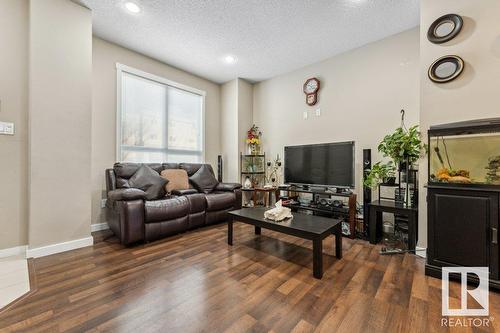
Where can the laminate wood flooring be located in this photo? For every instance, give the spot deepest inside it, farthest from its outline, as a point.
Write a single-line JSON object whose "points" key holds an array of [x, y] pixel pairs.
{"points": [[195, 282]]}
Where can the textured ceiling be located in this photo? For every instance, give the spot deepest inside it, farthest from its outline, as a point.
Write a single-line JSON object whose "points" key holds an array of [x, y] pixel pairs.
{"points": [[268, 37]]}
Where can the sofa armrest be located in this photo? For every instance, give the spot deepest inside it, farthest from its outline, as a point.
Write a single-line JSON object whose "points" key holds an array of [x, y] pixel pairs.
{"points": [[126, 194], [130, 215], [110, 180], [227, 187], [184, 192]]}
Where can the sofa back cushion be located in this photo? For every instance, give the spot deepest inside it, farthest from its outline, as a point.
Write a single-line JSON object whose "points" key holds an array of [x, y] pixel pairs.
{"points": [[148, 180], [192, 168], [177, 179], [124, 171], [204, 180]]}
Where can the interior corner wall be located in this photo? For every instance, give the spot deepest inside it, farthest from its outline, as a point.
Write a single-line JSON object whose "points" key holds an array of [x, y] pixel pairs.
{"points": [[362, 93], [60, 67], [236, 119], [105, 55], [229, 130], [473, 95], [14, 16], [245, 114]]}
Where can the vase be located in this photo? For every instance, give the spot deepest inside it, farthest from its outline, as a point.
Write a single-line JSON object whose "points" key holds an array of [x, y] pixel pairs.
{"points": [[254, 149]]}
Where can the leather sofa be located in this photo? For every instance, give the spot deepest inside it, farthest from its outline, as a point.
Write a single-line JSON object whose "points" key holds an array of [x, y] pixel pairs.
{"points": [[135, 219]]}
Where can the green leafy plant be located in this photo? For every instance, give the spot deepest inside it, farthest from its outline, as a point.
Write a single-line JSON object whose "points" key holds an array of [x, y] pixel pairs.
{"points": [[402, 145], [379, 173]]}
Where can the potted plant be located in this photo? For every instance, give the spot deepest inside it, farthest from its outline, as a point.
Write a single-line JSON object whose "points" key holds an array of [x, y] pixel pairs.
{"points": [[380, 173], [402, 146], [253, 140]]}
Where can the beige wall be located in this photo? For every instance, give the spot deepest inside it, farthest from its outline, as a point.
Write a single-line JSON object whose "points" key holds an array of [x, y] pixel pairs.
{"points": [[362, 93], [14, 108], [105, 55], [475, 94], [60, 121]]}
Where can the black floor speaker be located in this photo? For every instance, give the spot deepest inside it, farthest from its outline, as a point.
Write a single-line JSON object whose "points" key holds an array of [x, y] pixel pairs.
{"points": [[367, 191], [219, 168]]}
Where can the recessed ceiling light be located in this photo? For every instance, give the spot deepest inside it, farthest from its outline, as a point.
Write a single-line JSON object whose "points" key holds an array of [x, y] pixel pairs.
{"points": [[230, 59], [132, 7]]}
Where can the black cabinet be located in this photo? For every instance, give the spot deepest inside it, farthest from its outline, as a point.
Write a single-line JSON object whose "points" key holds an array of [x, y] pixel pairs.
{"points": [[462, 229]]}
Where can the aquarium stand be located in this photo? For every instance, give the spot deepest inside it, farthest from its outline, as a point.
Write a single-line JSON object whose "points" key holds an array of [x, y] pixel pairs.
{"points": [[462, 229]]}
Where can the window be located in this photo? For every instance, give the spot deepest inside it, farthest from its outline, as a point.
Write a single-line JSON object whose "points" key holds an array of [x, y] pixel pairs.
{"points": [[158, 120]]}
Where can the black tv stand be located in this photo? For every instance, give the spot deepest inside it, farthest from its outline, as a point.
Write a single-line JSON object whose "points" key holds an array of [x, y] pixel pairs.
{"points": [[348, 212]]}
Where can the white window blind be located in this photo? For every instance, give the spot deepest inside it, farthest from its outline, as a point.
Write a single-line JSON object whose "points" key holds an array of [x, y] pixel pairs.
{"points": [[158, 120]]}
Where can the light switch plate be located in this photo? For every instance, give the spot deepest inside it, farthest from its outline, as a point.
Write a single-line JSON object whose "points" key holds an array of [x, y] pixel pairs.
{"points": [[6, 128], [318, 112], [305, 115]]}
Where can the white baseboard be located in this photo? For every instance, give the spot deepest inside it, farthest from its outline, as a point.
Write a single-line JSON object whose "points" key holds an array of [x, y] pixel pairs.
{"points": [[99, 227], [13, 251], [60, 247], [421, 251]]}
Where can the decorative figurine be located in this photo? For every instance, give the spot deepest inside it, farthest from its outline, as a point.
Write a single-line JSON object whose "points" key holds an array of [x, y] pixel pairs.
{"points": [[248, 183], [273, 172]]}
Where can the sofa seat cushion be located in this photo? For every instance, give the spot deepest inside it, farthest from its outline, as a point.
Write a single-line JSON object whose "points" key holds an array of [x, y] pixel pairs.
{"points": [[166, 209], [219, 200]]}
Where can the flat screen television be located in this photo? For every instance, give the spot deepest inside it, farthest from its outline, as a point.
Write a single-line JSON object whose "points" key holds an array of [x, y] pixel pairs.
{"points": [[326, 164]]}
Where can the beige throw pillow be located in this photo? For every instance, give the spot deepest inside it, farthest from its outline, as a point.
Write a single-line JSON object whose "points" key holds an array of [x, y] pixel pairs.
{"points": [[177, 179]]}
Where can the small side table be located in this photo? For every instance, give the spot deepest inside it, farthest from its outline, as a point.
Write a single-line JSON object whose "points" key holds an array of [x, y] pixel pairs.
{"points": [[268, 192], [378, 207]]}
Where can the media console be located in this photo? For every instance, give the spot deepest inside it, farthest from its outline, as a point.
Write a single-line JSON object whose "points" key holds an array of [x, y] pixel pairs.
{"points": [[346, 212]]}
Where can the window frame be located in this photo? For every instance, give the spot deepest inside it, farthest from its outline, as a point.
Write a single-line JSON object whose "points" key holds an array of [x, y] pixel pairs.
{"points": [[120, 69]]}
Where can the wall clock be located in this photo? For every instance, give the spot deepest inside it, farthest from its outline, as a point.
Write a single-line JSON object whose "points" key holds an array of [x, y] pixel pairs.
{"points": [[311, 88]]}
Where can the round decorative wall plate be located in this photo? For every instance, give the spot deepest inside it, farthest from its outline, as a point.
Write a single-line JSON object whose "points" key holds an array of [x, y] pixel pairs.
{"points": [[446, 69], [445, 28]]}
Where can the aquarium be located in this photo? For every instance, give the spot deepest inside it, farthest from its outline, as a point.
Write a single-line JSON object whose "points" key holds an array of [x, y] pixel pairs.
{"points": [[465, 153]]}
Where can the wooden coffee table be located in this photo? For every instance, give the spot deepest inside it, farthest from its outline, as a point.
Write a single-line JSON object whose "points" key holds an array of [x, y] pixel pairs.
{"points": [[315, 228]]}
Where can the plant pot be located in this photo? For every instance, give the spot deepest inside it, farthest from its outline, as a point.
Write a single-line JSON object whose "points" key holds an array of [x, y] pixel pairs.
{"points": [[390, 181]]}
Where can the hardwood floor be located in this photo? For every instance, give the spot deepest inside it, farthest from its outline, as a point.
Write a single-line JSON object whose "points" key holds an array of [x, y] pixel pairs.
{"points": [[195, 282]]}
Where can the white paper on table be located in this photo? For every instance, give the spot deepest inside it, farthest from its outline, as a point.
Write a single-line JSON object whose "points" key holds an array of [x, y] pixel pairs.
{"points": [[278, 213]]}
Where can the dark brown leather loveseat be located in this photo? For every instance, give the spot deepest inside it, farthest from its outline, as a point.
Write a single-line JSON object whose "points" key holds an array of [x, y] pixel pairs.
{"points": [[133, 219]]}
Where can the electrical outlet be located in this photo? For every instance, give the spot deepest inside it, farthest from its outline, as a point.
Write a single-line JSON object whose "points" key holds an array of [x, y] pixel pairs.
{"points": [[103, 203], [305, 115], [318, 112]]}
